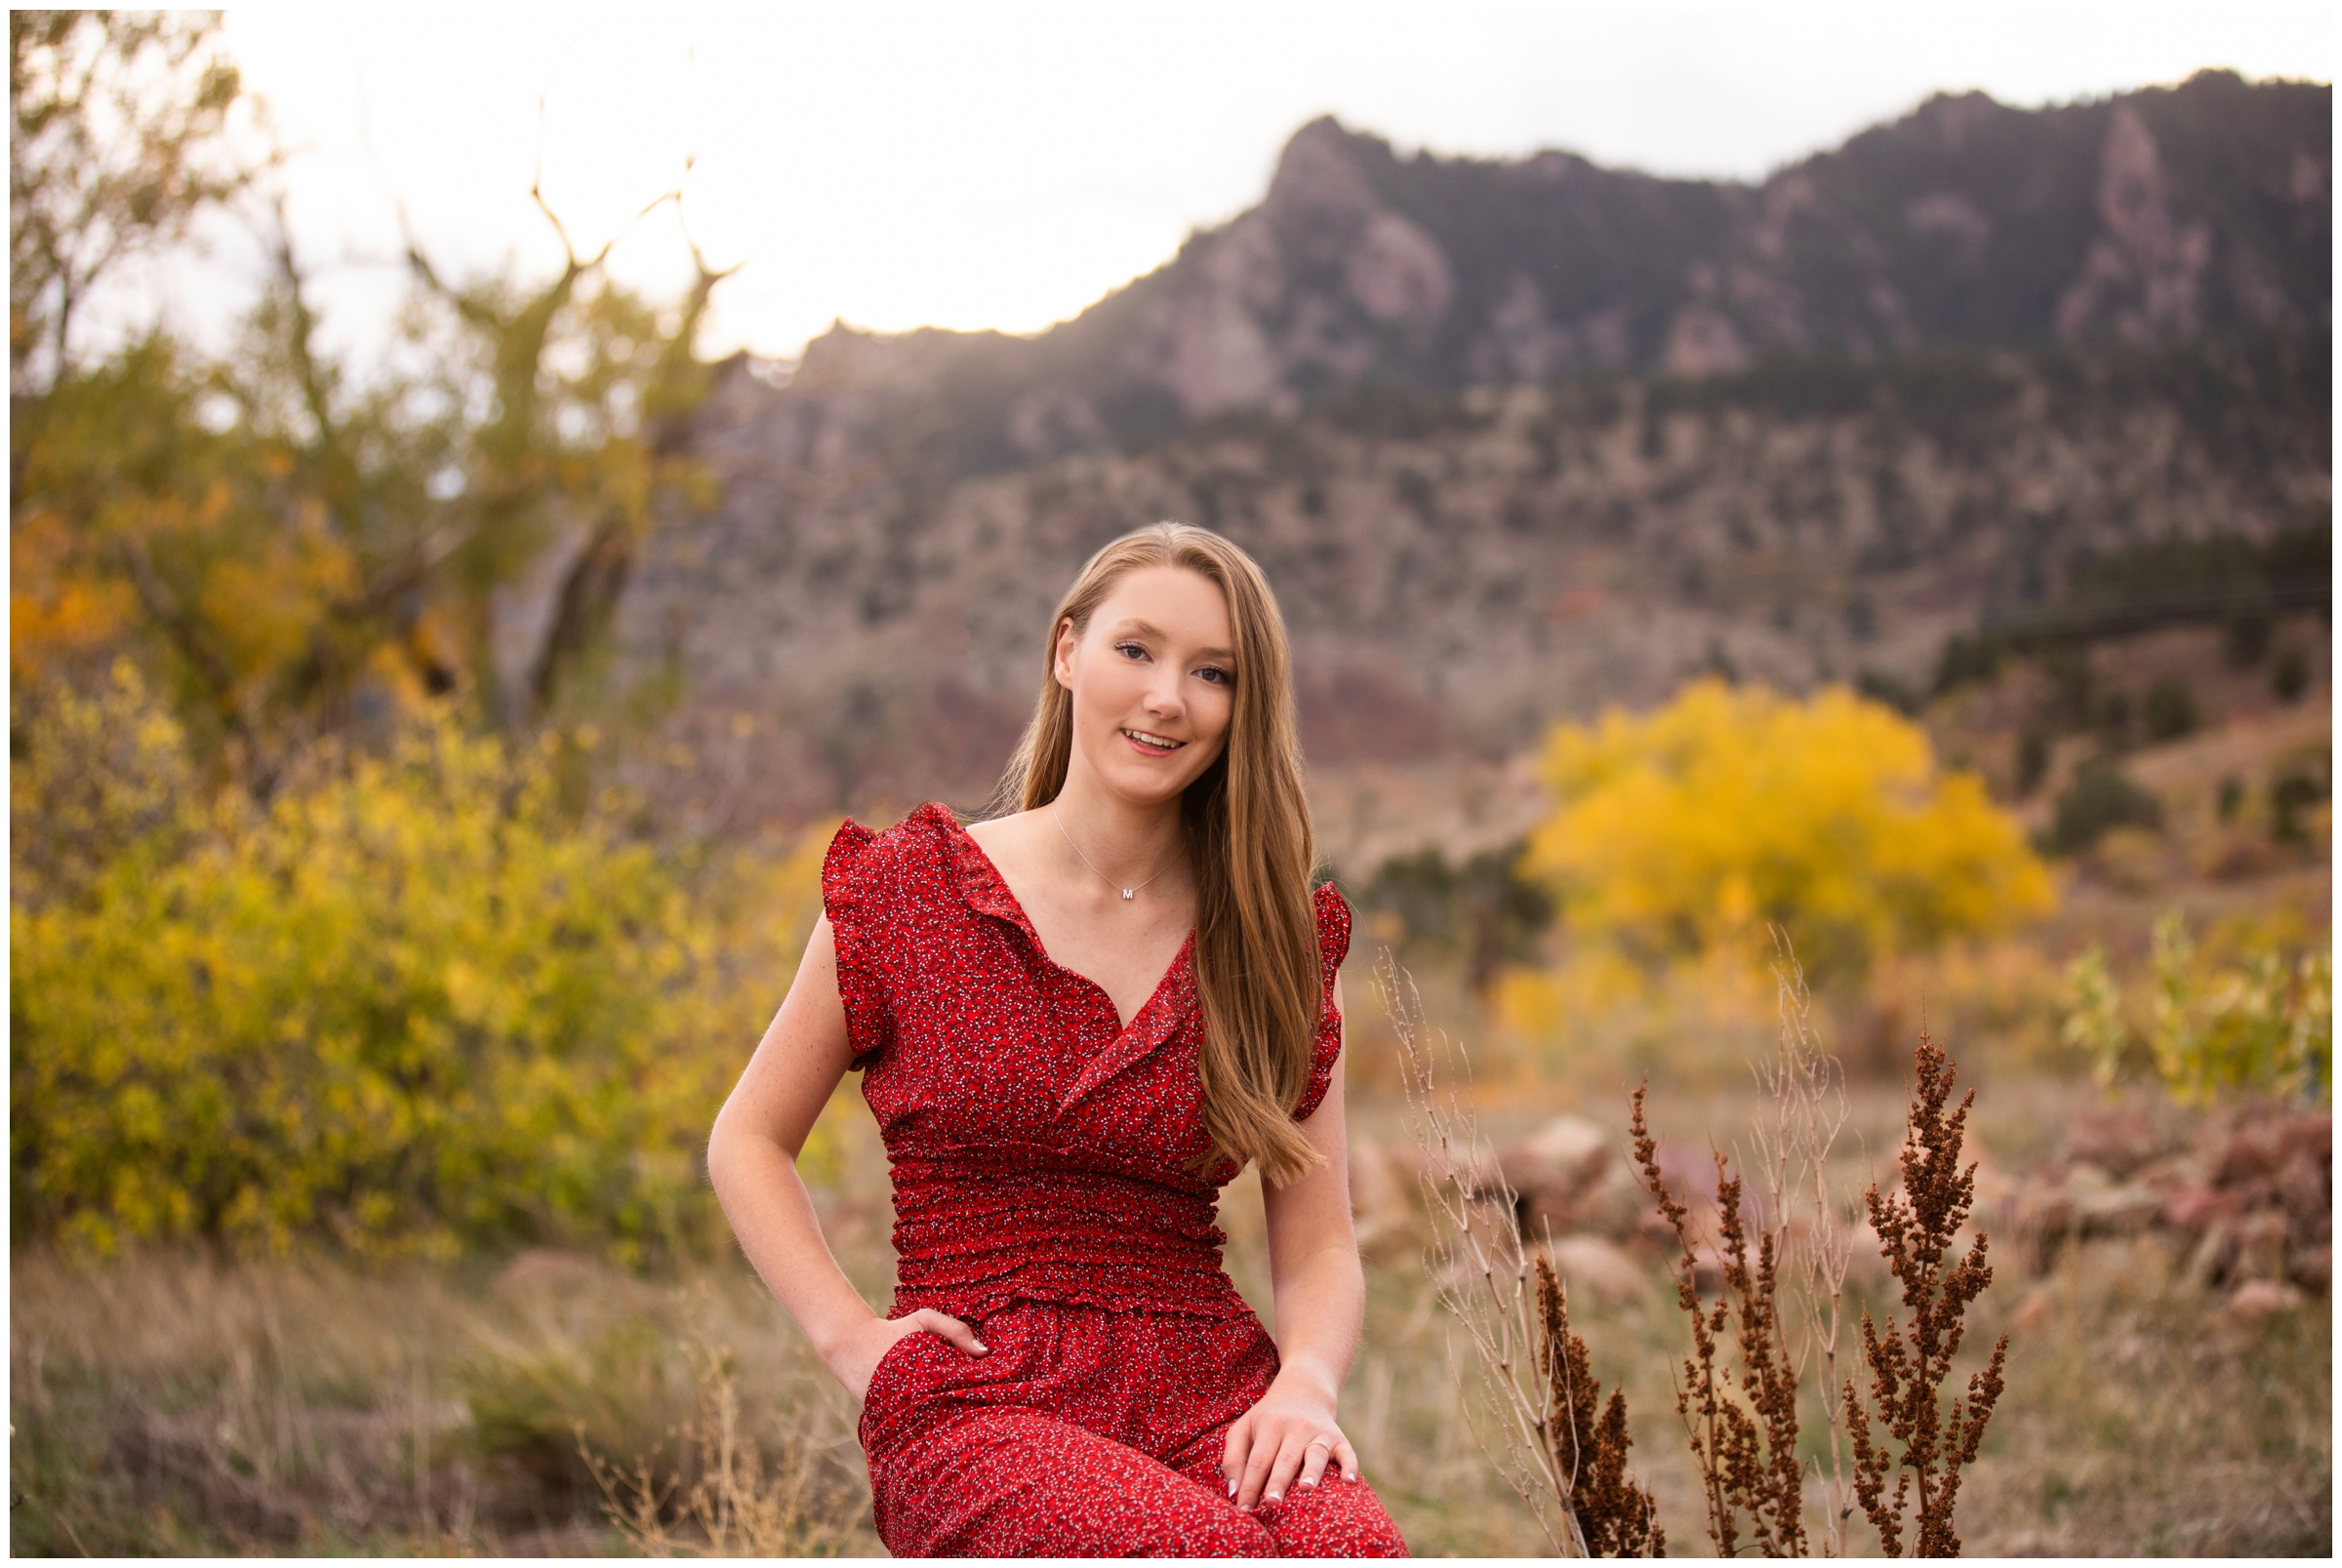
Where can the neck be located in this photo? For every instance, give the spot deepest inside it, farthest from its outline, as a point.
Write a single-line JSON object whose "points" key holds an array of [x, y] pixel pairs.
{"points": [[1126, 841]]}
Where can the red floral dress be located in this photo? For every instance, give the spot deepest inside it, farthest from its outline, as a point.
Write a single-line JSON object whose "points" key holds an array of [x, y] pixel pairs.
{"points": [[1040, 1151]]}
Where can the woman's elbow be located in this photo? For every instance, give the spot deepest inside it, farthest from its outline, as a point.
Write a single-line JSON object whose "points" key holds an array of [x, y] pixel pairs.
{"points": [[727, 1141], [736, 1147]]}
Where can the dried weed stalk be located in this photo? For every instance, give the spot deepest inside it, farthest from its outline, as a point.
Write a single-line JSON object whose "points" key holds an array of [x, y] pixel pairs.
{"points": [[1807, 1089], [1742, 1428], [1567, 1465], [1918, 1227], [734, 1503], [1614, 1514]]}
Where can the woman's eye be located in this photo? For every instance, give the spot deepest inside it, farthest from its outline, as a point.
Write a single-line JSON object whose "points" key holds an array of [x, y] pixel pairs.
{"points": [[1131, 650], [1215, 674]]}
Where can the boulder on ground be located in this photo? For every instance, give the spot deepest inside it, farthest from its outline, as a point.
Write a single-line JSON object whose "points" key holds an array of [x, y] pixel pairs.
{"points": [[2252, 1199], [2258, 1300], [2119, 1141], [1570, 1177], [1382, 1192], [1599, 1266]]}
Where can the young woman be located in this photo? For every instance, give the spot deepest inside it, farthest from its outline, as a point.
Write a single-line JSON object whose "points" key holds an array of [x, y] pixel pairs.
{"points": [[1076, 1025]]}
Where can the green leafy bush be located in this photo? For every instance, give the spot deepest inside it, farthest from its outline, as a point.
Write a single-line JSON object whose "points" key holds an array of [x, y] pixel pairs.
{"points": [[2262, 1023], [410, 1006], [2171, 711], [2099, 800]]}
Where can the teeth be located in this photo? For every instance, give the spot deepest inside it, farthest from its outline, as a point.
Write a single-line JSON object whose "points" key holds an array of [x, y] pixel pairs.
{"points": [[1144, 738]]}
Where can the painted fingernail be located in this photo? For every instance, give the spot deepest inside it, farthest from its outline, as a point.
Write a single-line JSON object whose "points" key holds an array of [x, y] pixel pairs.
{"points": [[981, 1347], [1306, 1483], [1231, 1489], [1274, 1496]]}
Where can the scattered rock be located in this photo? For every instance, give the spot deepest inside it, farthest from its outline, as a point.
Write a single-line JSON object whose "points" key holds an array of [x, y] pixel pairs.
{"points": [[1382, 1187], [2258, 1300], [2118, 1142], [1570, 1177], [2249, 1197], [1599, 1264]]}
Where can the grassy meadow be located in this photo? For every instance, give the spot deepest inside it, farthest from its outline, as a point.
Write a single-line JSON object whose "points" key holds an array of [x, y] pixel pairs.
{"points": [[172, 1402]]}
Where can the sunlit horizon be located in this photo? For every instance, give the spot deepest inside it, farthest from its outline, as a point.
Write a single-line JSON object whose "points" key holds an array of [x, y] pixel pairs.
{"points": [[925, 167]]}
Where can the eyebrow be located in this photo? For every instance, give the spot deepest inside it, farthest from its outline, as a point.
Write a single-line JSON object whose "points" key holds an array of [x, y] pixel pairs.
{"points": [[1148, 628]]}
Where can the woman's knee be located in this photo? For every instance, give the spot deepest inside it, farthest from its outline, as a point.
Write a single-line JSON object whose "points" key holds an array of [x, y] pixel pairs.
{"points": [[1335, 1519]]}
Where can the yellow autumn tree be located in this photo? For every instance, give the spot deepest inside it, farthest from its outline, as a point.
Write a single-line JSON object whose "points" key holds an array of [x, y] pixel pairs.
{"points": [[1693, 828], [410, 1004]]}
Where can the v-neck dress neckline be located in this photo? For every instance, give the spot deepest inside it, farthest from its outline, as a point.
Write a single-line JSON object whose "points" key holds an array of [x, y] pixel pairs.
{"points": [[976, 858]]}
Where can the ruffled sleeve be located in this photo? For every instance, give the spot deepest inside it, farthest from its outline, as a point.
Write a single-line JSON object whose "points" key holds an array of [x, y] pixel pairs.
{"points": [[856, 908], [1333, 946]]}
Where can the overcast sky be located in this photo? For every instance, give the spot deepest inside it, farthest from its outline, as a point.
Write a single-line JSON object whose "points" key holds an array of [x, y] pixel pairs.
{"points": [[1004, 165]]}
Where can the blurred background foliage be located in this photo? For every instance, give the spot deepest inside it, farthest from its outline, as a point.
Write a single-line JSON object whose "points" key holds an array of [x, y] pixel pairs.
{"points": [[302, 548], [412, 1003], [1734, 809], [2244, 1013], [318, 932]]}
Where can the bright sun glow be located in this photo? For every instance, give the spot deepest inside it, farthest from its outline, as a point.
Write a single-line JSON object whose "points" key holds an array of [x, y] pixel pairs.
{"points": [[999, 167]]}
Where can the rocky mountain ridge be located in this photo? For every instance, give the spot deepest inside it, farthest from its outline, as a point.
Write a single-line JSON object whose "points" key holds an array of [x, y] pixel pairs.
{"points": [[2153, 216]]}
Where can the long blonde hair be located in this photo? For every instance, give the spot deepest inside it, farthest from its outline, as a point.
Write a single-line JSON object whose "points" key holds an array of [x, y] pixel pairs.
{"points": [[1249, 843]]}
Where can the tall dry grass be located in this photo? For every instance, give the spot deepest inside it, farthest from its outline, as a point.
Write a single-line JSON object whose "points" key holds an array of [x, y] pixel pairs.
{"points": [[172, 1403], [167, 1403]]}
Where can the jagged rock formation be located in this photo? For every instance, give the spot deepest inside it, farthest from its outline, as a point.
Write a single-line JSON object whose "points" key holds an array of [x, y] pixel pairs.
{"points": [[2161, 214]]}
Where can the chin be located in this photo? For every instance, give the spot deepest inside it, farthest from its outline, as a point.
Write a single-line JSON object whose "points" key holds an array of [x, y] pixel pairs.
{"points": [[1143, 778], [1148, 784]]}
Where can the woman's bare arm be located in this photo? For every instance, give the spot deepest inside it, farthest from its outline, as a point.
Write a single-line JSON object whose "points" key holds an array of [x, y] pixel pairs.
{"points": [[752, 1163], [1290, 1435]]}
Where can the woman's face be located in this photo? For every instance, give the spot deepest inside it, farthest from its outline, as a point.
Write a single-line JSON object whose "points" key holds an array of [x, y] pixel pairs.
{"points": [[1153, 682]]}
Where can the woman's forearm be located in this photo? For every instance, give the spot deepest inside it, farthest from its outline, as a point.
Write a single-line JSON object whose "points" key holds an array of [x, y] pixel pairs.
{"points": [[1321, 1312], [756, 1182]]}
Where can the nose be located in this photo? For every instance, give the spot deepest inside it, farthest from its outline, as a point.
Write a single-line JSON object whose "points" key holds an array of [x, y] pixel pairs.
{"points": [[1163, 692]]}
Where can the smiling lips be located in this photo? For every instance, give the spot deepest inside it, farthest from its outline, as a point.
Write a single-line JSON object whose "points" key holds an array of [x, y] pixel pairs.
{"points": [[1151, 744]]}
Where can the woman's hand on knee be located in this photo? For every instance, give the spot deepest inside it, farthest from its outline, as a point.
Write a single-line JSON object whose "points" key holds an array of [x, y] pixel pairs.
{"points": [[856, 1358], [1290, 1441]]}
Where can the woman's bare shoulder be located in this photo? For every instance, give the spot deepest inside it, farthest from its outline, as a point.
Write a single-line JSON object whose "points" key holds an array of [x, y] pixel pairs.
{"points": [[1007, 838]]}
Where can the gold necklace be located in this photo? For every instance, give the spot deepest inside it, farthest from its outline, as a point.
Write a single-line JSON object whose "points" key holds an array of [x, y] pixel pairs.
{"points": [[1127, 893]]}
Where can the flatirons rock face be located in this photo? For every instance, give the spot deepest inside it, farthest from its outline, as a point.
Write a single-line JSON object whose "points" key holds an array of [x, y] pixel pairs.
{"points": [[2163, 214], [1518, 439]]}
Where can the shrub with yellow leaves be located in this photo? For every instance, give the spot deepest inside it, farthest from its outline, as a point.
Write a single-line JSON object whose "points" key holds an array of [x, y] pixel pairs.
{"points": [[1692, 828], [412, 1006], [2252, 1014]]}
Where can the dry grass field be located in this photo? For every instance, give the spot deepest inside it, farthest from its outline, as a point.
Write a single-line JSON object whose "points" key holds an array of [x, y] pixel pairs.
{"points": [[171, 1403]]}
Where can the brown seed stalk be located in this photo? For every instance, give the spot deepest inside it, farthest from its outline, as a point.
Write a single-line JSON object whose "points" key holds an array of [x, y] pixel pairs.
{"points": [[1617, 1518], [1744, 1443], [1918, 1227]]}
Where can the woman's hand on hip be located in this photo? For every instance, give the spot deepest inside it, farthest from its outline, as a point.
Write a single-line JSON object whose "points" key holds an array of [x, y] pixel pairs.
{"points": [[1287, 1441], [855, 1359]]}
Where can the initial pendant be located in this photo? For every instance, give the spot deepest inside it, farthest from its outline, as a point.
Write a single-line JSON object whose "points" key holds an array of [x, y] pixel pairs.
{"points": [[1128, 892]]}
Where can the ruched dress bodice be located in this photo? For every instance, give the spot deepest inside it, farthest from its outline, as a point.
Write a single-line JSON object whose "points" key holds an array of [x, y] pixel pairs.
{"points": [[1042, 1151]]}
